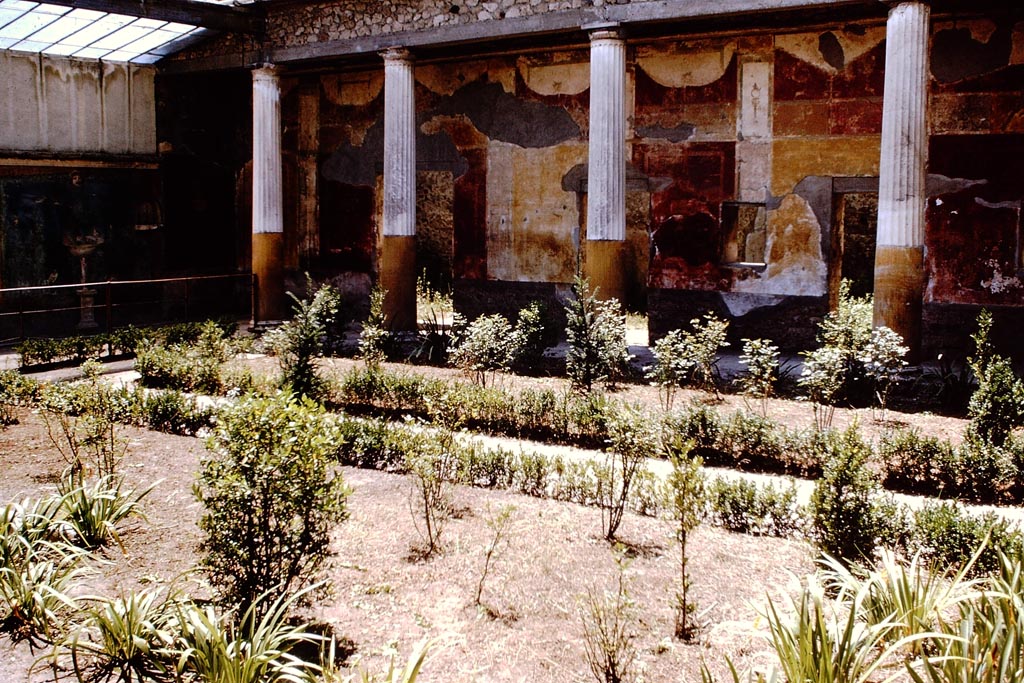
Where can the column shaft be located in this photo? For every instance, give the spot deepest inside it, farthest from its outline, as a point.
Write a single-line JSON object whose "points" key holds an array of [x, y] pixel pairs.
{"points": [[267, 195], [397, 256], [606, 182], [899, 257]]}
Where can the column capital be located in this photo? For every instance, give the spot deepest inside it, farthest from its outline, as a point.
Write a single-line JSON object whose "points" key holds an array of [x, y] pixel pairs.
{"points": [[266, 72], [397, 55], [892, 4], [604, 31]]}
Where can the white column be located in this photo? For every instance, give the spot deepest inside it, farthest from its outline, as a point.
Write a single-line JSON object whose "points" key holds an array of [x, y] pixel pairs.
{"points": [[606, 183], [899, 253], [267, 192], [399, 145], [901, 183]]}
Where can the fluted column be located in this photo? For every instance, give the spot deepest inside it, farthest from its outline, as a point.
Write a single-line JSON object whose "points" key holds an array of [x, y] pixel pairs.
{"points": [[267, 196], [899, 255], [398, 240], [606, 181]]}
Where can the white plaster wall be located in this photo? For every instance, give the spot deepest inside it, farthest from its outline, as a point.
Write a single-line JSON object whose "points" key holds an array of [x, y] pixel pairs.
{"points": [[60, 105]]}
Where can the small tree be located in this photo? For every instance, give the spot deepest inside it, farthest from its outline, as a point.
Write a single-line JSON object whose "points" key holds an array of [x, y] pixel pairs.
{"points": [[883, 359], [302, 339], [486, 347], [596, 334], [631, 444], [762, 360], [822, 377], [686, 503], [375, 338], [271, 497]]}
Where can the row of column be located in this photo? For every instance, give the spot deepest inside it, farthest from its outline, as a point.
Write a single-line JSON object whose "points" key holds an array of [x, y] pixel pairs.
{"points": [[899, 270]]}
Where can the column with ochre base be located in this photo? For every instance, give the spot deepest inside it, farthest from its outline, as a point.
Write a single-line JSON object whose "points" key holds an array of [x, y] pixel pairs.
{"points": [[397, 246], [267, 197], [899, 256]]}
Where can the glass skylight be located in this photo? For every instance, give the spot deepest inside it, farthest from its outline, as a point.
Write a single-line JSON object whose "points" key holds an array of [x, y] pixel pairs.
{"points": [[90, 34]]}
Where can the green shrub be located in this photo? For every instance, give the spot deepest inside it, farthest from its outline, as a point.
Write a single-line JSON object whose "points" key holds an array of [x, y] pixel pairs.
{"points": [[690, 357], [529, 337], [299, 341], [433, 465], [824, 377], [754, 443], [702, 427], [917, 464], [178, 367], [762, 360], [997, 406], [883, 359], [173, 412], [375, 339], [596, 334], [744, 507], [270, 497], [985, 473], [944, 532], [843, 513], [486, 347]]}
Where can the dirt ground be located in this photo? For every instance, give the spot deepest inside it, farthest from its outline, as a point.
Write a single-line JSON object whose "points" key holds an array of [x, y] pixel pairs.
{"points": [[529, 627]]}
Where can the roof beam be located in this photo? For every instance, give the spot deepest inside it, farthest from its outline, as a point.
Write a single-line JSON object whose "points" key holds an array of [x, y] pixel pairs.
{"points": [[194, 12]]}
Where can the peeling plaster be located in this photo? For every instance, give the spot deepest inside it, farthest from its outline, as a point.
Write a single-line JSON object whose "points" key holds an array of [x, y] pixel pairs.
{"points": [[679, 133], [938, 184], [964, 51], [810, 47], [999, 283], [741, 303], [685, 67], [795, 263], [353, 91], [556, 79], [446, 79]]}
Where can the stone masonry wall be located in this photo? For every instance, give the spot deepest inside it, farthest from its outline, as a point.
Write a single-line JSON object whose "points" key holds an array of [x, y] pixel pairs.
{"points": [[337, 21]]}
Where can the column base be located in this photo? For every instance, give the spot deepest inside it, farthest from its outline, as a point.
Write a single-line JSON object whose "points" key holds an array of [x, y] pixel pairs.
{"points": [[397, 267], [268, 266], [602, 265], [899, 290]]}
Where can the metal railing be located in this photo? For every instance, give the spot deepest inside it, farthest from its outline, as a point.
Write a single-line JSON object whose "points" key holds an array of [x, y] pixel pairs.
{"points": [[92, 307]]}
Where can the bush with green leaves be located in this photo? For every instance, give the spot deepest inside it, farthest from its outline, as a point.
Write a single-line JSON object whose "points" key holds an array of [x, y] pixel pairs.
{"points": [[949, 535], [762, 360], [823, 378], [375, 339], [744, 507], [486, 347], [596, 334], [433, 464], [300, 341], [530, 337], [915, 463], [883, 359], [271, 497], [174, 413], [843, 510], [631, 444], [689, 357]]}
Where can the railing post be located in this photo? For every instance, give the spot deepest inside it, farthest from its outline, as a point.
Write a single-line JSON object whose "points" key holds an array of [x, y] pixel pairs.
{"points": [[188, 290]]}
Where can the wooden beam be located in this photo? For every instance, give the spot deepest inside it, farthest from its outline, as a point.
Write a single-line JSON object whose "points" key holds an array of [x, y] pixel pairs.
{"points": [[246, 19]]}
